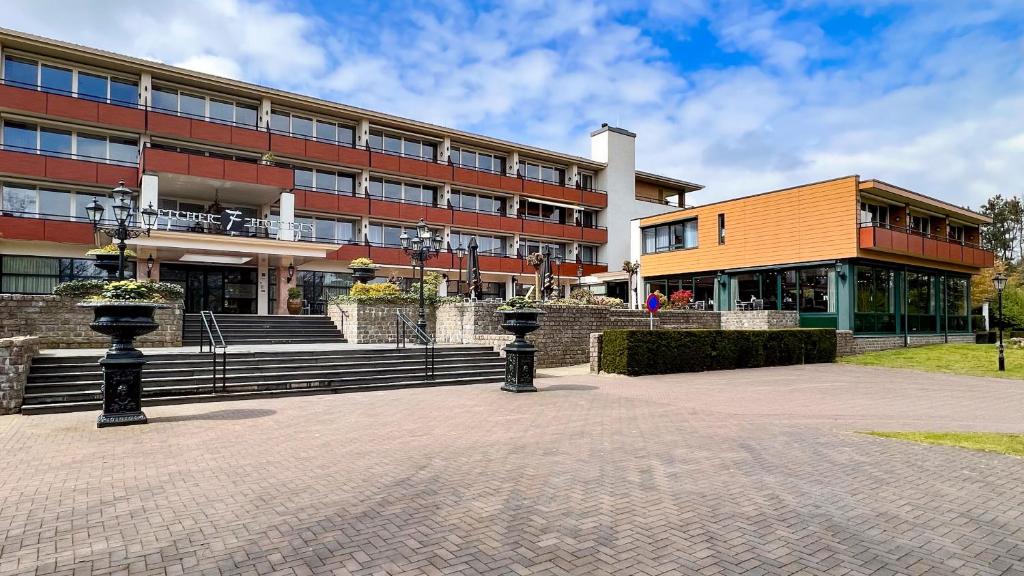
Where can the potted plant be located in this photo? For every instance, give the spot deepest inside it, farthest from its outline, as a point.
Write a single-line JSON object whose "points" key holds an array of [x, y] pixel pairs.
{"points": [[268, 159], [294, 300], [520, 317], [124, 310], [363, 270], [108, 259]]}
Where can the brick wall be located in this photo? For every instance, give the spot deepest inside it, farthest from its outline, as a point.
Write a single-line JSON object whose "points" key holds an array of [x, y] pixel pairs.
{"points": [[863, 344], [15, 357], [760, 319], [845, 345], [60, 323]]}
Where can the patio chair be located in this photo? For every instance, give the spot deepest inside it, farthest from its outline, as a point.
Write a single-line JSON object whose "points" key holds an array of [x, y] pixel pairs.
{"points": [[759, 304]]}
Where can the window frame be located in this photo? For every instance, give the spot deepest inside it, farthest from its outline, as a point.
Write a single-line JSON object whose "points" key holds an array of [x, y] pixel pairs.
{"points": [[665, 230], [75, 70], [338, 124], [402, 137], [75, 133], [207, 97]]}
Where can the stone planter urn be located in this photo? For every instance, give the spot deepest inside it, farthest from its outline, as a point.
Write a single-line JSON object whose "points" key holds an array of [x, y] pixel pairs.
{"points": [[108, 263], [364, 274], [294, 306], [519, 355], [122, 364]]}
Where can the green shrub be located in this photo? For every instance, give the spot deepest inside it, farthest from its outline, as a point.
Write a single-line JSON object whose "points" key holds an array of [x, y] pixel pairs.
{"points": [[640, 352], [111, 249], [127, 291], [294, 293], [361, 263], [978, 322], [80, 288], [95, 289]]}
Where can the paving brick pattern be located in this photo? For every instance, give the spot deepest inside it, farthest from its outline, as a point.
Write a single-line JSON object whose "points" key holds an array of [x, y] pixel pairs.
{"points": [[744, 472]]}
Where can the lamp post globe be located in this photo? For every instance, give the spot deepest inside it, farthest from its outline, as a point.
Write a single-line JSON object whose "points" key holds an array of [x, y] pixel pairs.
{"points": [[122, 208], [999, 281]]}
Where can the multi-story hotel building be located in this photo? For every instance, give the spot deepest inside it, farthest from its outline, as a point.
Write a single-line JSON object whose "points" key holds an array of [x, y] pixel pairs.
{"points": [[251, 182], [853, 254]]}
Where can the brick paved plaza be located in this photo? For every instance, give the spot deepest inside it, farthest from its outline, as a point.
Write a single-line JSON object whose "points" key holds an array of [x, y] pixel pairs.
{"points": [[742, 472]]}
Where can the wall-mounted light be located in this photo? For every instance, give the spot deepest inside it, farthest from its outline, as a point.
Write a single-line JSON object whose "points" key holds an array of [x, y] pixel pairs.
{"points": [[291, 272], [149, 266], [839, 270]]}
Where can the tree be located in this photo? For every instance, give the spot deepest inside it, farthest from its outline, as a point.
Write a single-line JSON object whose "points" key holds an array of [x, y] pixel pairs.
{"points": [[982, 287], [1002, 235]]}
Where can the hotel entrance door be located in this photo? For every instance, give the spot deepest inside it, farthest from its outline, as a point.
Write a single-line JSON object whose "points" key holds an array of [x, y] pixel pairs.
{"points": [[222, 290]]}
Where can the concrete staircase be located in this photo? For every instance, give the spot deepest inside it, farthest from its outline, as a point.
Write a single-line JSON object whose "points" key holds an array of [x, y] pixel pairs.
{"points": [[250, 329], [73, 383]]}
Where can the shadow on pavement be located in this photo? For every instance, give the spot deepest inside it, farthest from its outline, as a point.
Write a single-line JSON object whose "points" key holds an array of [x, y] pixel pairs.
{"points": [[556, 387], [240, 414]]}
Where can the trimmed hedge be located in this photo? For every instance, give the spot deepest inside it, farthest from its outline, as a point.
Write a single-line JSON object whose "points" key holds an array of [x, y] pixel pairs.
{"points": [[640, 352]]}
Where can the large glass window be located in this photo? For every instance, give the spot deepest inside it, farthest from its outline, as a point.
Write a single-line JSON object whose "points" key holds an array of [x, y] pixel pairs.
{"points": [[529, 246], [67, 80], [542, 172], [390, 234], [403, 145], [477, 202], [69, 144], [488, 245], [19, 201], [875, 300], [817, 290], [920, 302], [486, 161], [324, 181], [403, 191], [533, 210], [673, 236], [957, 305], [321, 129], [213, 108], [39, 275], [874, 213]]}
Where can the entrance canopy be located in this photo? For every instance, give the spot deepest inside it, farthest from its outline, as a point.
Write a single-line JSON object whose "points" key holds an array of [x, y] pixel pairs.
{"points": [[223, 249]]}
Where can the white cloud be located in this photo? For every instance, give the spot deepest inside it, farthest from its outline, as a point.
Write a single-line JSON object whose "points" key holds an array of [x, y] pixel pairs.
{"points": [[932, 101]]}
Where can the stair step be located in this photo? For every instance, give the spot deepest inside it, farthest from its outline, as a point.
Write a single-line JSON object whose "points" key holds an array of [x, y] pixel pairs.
{"points": [[299, 387], [155, 356]]}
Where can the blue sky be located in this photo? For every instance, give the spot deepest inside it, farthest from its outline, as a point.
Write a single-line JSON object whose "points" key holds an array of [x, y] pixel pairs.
{"points": [[743, 96]]}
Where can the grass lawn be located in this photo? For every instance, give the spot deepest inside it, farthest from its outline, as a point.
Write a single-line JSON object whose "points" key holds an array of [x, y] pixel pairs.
{"points": [[1012, 444], [969, 359]]}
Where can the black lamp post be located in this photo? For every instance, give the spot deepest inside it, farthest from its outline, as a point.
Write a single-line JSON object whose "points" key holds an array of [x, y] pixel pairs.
{"points": [[460, 253], [422, 247], [1000, 283], [557, 260], [124, 206], [149, 266]]}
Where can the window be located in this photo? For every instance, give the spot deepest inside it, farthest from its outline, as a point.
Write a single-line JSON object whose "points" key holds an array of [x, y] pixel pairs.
{"points": [[529, 246], [588, 218], [331, 230], [955, 233], [534, 210], [541, 172], [817, 290], [402, 191], [69, 144], [488, 245], [920, 224], [957, 305], [64, 79], [875, 300], [325, 181], [215, 109], [588, 254], [39, 275], [586, 180], [721, 228], [673, 236], [477, 202], [408, 146], [389, 235], [920, 303], [874, 214], [486, 161]]}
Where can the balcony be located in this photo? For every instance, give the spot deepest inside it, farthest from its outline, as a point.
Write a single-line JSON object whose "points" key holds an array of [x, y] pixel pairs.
{"points": [[28, 99], [44, 229], [212, 167], [896, 240], [78, 169], [394, 256]]}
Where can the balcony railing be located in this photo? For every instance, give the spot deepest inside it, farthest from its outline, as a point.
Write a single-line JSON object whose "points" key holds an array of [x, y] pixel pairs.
{"points": [[900, 240]]}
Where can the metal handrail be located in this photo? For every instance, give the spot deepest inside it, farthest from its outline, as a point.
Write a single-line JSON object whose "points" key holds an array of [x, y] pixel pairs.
{"points": [[341, 314], [217, 344], [403, 323]]}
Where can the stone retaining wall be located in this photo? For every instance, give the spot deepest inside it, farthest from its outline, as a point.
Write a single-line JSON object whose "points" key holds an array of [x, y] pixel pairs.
{"points": [[60, 323], [760, 319], [15, 357], [373, 323], [564, 336], [863, 344]]}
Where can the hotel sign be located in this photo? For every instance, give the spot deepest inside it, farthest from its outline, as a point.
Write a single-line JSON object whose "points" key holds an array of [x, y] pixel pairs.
{"points": [[230, 222]]}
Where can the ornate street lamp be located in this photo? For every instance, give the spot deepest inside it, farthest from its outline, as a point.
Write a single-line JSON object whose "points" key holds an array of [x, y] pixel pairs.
{"points": [[1000, 282], [460, 253], [579, 276], [632, 269], [123, 207], [421, 247], [557, 260]]}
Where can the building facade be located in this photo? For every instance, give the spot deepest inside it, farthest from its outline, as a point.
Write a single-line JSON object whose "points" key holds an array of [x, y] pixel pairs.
{"points": [[260, 190], [853, 254]]}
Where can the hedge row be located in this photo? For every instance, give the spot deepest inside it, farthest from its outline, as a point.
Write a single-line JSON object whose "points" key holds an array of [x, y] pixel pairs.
{"points": [[640, 352]]}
